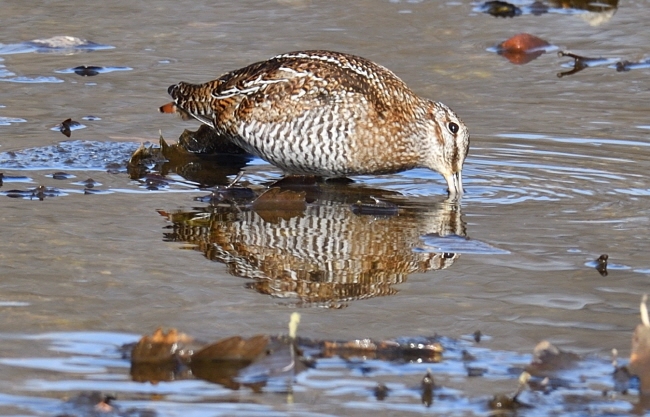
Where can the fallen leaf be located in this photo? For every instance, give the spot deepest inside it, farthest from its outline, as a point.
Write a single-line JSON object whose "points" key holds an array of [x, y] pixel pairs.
{"points": [[159, 346], [234, 348], [523, 42], [522, 48], [547, 358]]}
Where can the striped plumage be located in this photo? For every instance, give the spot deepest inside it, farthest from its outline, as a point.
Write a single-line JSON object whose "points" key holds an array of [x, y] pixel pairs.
{"points": [[324, 256], [329, 114]]}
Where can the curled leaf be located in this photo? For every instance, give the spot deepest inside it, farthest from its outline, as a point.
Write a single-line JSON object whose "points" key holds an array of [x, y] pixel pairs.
{"points": [[522, 48]]}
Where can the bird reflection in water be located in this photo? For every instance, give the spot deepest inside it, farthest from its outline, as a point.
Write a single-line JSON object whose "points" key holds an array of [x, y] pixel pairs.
{"points": [[332, 242], [324, 255]]}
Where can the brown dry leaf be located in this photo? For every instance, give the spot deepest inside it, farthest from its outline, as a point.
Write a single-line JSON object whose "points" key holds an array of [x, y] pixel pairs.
{"points": [[548, 358], [233, 348], [159, 347], [221, 362], [523, 42], [522, 48]]}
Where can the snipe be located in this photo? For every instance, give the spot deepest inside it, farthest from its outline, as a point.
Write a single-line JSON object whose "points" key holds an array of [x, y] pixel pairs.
{"points": [[329, 114]]}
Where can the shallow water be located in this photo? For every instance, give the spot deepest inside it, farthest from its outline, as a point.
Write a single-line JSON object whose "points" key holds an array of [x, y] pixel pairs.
{"points": [[556, 177]]}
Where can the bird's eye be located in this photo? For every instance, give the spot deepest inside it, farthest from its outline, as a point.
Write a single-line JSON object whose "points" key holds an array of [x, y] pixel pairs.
{"points": [[453, 127]]}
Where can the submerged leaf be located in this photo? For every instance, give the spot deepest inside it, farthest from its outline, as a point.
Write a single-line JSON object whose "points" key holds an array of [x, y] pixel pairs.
{"points": [[159, 346], [234, 348], [523, 42], [547, 359], [522, 48]]}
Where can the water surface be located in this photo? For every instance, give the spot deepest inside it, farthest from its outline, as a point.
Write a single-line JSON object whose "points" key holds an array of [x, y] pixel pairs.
{"points": [[556, 177]]}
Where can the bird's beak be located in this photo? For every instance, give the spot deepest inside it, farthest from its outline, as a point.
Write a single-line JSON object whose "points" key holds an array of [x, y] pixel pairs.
{"points": [[455, 184]]}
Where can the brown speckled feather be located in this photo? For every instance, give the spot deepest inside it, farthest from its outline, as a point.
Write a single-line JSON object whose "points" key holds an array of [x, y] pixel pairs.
{"points": [[329, 114]]}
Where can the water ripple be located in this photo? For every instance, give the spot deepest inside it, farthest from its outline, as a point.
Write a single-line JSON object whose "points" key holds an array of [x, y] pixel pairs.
{"points": [[56, 44]]}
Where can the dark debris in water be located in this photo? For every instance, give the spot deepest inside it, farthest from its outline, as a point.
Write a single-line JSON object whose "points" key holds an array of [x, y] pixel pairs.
{"points": [[500, 9], [537, 8], [67, 126], [523, 48], [503, 402], [60, 175], [421, 349], [427, 385], [205, 170], [381, 392], [553, 377], [96, 191], [581, 62], [40, 193], [98, 404], [602, 264], [228, 195], [89, 183], [625, 65], [167, 356], [378, 208], [91, 70], [477, 336], [58, 44], [419, 374], [154, 182]]}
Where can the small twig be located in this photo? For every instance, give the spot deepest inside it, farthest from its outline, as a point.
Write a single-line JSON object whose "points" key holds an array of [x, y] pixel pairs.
{"points": [[523, 382], [644, 311], [236, 180]]}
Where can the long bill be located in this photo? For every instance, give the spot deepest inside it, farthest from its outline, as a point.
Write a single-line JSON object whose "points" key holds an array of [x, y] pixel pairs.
{"points": [[455, 184]]}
